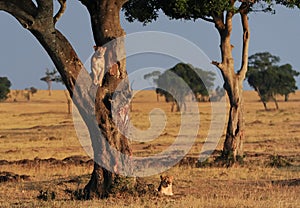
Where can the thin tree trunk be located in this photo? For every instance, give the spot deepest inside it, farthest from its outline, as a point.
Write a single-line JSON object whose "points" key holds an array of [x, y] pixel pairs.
{"points": [[233, 145], [69, 102], [276, 103], [233, 82], [265, 105], [286, 97], [49, 83]]}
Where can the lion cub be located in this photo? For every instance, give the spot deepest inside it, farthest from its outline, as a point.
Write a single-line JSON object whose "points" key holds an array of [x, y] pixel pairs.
{"points": [[98, 65], [165, 186]]}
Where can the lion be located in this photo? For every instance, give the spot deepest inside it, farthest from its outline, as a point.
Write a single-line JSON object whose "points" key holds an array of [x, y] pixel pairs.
{"points": [[165, 186]]}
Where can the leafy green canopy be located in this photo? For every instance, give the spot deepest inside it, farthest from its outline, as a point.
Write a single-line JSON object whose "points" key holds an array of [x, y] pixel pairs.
{"points": [[182, 79], [269, 79], [4, 87], [146, 11]]}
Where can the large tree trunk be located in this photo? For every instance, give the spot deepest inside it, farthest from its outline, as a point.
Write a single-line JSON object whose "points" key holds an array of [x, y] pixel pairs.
{"points": [[233, 145], [111, 148], [105, 19]]}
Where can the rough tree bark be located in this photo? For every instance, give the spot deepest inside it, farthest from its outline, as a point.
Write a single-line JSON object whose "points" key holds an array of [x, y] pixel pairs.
{"points": [[105, 20], [39, 20], [233, 145]]}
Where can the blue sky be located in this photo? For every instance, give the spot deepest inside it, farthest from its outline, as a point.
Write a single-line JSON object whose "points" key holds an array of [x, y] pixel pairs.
{"points": [[24, 61]]}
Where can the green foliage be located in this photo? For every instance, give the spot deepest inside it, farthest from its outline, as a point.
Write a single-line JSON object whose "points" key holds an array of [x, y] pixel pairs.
{"points": [[4, 87], [142, 10], [33, 90], [269, 79], [146, 11], [183, 78], [289, 3]]}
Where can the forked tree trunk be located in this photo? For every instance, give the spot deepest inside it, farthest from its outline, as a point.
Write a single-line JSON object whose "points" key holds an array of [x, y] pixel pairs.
{"points": [[233, 145]]}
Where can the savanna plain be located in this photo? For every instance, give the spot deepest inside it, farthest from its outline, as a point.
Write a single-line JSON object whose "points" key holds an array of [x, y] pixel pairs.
{"points": [[43, 163]]}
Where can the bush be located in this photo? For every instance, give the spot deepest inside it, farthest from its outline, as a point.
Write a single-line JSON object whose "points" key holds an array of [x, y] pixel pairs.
{"points": [[4, 87]]}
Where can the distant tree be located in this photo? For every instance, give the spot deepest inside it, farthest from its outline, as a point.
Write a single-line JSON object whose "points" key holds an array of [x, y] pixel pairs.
{"points": [[176, 83], [152, 77], [30, 92], [218, 94], [69, 102], [287, 74], [4, 87], [33, 90], [268, 79], [51, 76]]}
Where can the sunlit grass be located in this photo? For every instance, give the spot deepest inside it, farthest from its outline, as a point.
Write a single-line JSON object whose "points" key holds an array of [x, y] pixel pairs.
{"points": [[41, 128]]}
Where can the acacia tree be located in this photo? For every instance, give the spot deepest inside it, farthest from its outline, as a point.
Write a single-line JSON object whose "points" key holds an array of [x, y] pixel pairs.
{"points": [[172, 84], [37, 17], [268, 79], [51, 76], [220, 13]]}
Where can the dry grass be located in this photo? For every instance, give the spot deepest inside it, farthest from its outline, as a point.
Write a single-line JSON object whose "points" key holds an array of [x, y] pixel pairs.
{"points": [[42, 128]]}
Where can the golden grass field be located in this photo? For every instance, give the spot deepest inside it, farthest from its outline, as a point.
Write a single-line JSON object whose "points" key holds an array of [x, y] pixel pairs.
{"points": [[33, 131]]}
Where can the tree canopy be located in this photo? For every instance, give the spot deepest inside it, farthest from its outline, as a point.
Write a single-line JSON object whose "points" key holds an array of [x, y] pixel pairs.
{"points": [[182, 79], [4, 87], [146, 11], [51, 76], [269, 79]]}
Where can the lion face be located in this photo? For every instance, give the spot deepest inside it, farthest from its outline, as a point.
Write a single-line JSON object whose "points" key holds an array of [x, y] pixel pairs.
{"points": [[165, 186]]}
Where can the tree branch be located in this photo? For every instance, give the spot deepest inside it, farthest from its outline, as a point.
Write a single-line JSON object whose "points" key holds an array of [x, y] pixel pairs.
{"points": [[218, 20], [246, 39], [228, 22], [23, 12], [85, 2], [45, 9], [26, 5], [63, 5], [219, 65]]}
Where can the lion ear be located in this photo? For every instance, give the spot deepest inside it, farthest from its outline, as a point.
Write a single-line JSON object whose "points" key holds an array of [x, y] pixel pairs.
{"points": [[95, 47], [171, 178], [161, 177]]}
